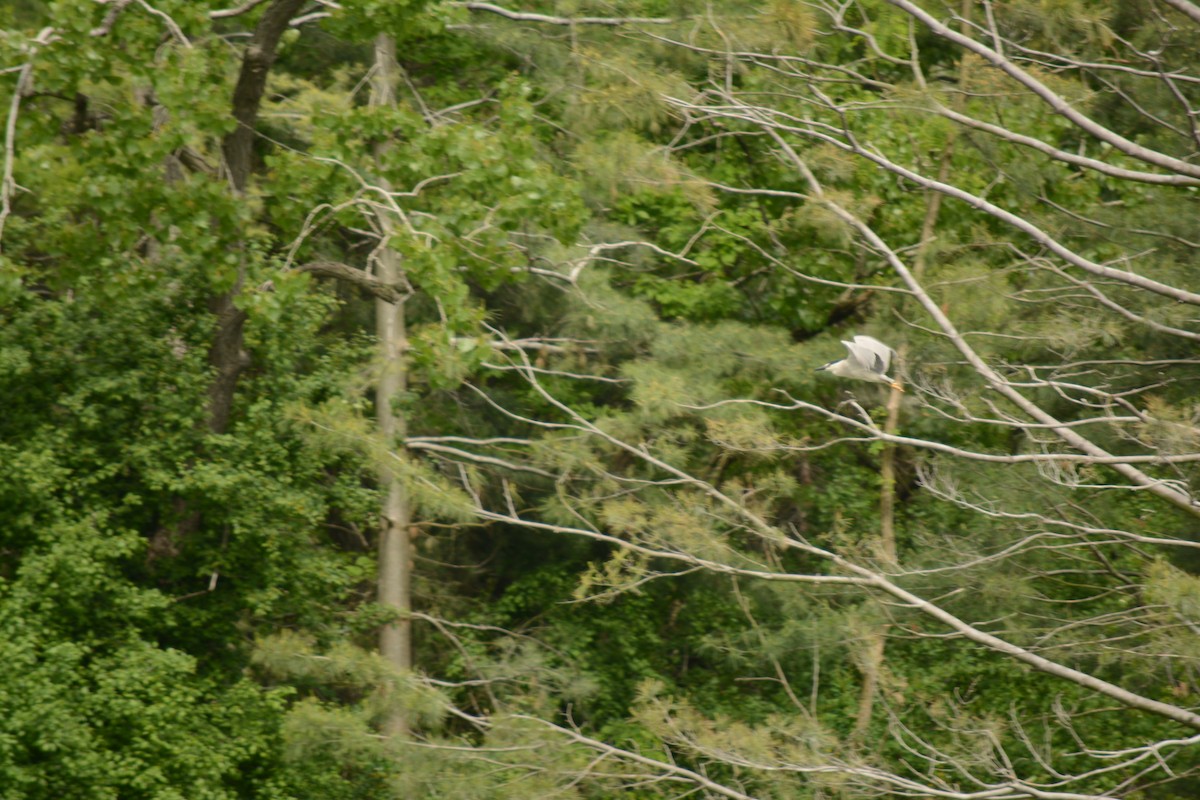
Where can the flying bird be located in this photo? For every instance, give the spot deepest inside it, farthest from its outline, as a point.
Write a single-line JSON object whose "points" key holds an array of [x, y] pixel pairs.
{"points": [[868, 361]]}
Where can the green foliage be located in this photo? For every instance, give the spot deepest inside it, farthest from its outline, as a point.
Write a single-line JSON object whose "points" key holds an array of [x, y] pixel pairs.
{"points": [[186, 613]]}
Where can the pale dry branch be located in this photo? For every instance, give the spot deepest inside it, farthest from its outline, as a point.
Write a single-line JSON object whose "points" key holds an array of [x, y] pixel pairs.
{"points": [[691, 776], [765, 117], [115, 7], [225, 13], [878, 434], [946, 490], [579, 376], [478, 458], [24, 84], [716, 567], [171, 24], [854, 573], [546, 19], [1051, 98], [594, 252], [1096, 165], [1169, 493], [304, 19], [1185, 7]]}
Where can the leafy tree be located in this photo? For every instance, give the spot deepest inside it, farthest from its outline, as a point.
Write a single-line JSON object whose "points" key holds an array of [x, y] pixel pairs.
{"points": [[651, 550]]}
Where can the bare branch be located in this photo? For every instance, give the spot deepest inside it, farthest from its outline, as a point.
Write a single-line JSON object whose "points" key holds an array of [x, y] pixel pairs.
{"points": [[1185, 7], [545, 19], [1069, 435], [110, 17], [1084, 679], [335, 269], [763, 117], [171, 24], [689, 775], [717, 567], [926, 444], [478, 458], [225, 13], [307, 18], [24, 83], [857, 573], [1051, 98], [1104, 168]]}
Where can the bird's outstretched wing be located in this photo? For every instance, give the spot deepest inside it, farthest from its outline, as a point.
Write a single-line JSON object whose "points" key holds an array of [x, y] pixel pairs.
{"points": [[876, 356], [860, 357]]}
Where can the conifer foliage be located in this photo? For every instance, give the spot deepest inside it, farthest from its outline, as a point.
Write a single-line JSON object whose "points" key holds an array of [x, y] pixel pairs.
{"points": [[489, 332]]}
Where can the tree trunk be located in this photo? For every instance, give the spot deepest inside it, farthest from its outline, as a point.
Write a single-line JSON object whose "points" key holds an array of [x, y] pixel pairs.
{"points": [[226, 354], [395, 556]]}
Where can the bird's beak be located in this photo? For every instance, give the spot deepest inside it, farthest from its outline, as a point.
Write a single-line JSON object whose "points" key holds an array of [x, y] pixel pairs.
{"points": [[897, 387]]}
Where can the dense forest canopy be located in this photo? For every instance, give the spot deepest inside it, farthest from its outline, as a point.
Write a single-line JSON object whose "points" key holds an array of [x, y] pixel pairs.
{"points": [[419, 398]]}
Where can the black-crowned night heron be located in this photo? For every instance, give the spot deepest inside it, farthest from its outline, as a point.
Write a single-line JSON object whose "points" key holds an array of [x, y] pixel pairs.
{"points": [[868, 361]]}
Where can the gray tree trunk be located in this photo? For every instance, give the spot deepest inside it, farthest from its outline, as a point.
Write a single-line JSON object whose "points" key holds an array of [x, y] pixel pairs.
{"points": [[395, 556]]}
